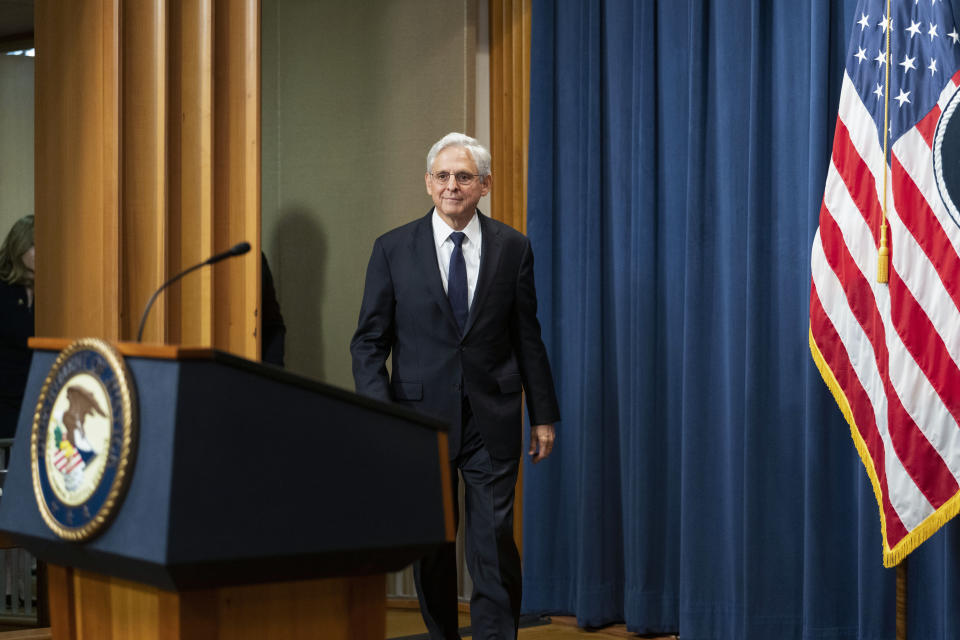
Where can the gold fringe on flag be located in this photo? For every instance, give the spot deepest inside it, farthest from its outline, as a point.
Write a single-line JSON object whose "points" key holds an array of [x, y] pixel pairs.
{"points": [[892, 556]]}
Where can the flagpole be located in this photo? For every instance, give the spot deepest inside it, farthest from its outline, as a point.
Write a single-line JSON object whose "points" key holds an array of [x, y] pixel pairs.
{"points": [[902, 600], [883, 258], [883, 265]]}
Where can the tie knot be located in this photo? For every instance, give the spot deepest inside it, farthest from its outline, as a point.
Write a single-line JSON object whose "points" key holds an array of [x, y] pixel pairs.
{"points": [[457, 237]]}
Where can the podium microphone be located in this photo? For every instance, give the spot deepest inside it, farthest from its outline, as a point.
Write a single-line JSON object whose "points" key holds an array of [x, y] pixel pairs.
{"points": [[235, 250]]}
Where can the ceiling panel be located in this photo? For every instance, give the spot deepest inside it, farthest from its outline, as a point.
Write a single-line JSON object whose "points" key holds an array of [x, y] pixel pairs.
{"points": [[16, 17]]}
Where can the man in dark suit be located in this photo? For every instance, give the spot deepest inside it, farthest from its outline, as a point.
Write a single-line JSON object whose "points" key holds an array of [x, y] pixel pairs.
{"points": [[452, 297]]}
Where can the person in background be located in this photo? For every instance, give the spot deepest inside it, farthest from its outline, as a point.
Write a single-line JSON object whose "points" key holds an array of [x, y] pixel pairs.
{"points": [[16, 320]]}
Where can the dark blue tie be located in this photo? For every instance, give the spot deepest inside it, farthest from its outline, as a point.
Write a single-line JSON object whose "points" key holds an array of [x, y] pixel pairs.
{"points": [[457, 280]]}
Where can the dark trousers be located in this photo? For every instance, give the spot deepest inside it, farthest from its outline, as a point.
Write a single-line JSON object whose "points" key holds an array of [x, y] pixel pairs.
{"points": [[492, 557]]}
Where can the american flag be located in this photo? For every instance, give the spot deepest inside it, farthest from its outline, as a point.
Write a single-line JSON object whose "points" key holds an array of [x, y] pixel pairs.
{"points": [[890, 353]]}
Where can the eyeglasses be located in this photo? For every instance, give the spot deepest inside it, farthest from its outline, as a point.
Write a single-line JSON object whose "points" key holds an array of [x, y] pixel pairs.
{"points": [[463, 178]]}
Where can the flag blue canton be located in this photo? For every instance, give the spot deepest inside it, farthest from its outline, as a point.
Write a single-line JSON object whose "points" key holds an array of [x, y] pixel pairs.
{"points": [[925, 47]]}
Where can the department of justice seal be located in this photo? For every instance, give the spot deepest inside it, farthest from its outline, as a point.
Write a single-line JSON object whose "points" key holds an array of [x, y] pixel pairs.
{"points": [[83, 439]]}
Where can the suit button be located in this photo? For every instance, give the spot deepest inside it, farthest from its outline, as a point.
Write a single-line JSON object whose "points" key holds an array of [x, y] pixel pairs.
{"points": [[457, 387], [460, 349]]}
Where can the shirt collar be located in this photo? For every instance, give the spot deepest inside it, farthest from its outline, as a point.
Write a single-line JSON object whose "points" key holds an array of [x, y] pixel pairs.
{"points": [[442, 231]]}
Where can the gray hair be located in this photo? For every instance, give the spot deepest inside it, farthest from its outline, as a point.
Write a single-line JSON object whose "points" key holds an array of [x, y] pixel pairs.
{"points": [[479, 153]]}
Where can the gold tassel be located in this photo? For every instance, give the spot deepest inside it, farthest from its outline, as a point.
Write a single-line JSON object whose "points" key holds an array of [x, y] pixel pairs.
{"points": [[883, 260]]}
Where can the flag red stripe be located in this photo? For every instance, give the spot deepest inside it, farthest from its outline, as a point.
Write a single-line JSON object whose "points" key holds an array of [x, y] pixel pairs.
{"points": [[835, 355], [918, 456], [928, 126], [925, 344], [923, 225], [857, 177]]}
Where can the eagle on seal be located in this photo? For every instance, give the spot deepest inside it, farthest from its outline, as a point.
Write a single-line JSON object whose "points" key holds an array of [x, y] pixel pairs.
{"points": [[81, 403]]}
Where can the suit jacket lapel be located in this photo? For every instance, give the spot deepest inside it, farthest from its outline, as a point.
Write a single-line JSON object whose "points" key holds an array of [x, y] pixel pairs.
{"points": [[491, 244], [425, 255]]}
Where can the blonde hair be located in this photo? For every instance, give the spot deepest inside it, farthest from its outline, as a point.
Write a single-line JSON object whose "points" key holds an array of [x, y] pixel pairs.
{"points": [[17, 243]]}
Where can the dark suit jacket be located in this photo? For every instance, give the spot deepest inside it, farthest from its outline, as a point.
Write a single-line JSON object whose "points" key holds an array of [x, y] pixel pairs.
{"points": [[405, 312], [16, 325]]}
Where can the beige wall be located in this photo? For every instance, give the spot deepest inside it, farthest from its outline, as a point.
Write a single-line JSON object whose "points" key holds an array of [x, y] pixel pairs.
{"points": [[354, 94], [16, 140]]}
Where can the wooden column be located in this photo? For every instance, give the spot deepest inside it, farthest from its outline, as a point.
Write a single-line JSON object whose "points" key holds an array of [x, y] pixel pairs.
{"points": [[510, 134], [190, 168], [510, 108], [144, 148], [77, 168], [148, 161], [237, 176]]}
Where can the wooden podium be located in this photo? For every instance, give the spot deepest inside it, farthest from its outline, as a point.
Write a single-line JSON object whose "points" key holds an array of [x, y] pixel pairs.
{"points": [[260, 504]]}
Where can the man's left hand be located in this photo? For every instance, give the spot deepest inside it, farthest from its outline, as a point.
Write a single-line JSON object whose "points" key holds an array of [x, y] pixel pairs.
{"points": [[541, 441]]}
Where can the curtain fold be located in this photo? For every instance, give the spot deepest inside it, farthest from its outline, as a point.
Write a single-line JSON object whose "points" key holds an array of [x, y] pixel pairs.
{"points": [[704, 481]]}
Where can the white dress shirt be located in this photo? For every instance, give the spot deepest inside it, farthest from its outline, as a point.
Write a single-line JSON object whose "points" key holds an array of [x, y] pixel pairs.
{"points": [[470, 247]]}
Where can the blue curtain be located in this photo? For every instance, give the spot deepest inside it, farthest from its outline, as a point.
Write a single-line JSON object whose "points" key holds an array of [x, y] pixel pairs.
{"points": [[704, 481]]}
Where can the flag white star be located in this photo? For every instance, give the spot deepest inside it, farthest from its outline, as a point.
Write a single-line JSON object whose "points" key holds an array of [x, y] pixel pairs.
{"points": [[953, 35], [878, 91], [861, 54], [903, 97], [863, 21], [885, 24], [933, 31], [881, 58], [907, 63], [932, 66], [914, 28]]}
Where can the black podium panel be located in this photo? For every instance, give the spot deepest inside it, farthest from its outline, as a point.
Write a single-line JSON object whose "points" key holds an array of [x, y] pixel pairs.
{"points": [[246, 473]]}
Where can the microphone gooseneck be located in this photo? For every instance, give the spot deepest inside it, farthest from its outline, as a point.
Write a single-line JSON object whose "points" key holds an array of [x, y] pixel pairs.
{"points": [[236, 250]]}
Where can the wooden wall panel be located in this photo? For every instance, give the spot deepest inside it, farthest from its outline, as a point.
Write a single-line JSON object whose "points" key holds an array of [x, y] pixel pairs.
{"points": [[109, 608], [191, 169], [237, 172], [143, 153], [148, 161], [63, 613], [77, 168], [510, 108]]}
